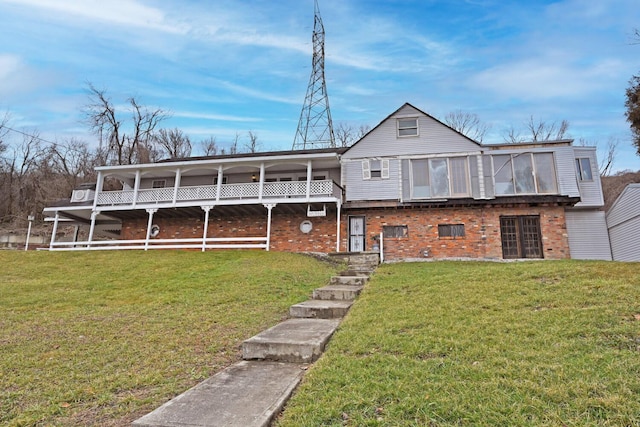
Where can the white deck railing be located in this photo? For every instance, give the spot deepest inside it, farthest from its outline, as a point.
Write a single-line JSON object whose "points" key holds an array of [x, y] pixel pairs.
{"points": [[228, 192], [192, 243]]}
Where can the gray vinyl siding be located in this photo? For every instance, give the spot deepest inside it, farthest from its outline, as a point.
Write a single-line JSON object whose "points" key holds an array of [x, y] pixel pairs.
{"points": [[566, 171], [590, 191], [588, 236], [371, 189], [626, 207], [623, 220], [625, 245], [475, 179], [489, 191], [406, 181], [434, 138]]}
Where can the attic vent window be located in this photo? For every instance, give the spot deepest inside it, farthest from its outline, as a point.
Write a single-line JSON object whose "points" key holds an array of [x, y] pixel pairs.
{"points": [[408, 127]]}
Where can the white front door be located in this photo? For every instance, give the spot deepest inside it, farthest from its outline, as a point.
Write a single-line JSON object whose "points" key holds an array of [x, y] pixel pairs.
{"points": [[356, 234]]}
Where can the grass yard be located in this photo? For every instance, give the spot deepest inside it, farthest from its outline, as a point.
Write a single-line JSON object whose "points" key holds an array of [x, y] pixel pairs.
{"points": [[482, 344], [101, 338]]}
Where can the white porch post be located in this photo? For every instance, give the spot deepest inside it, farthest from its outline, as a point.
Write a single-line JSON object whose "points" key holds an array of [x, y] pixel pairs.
{"points": [[269, 206], [338, 205], [219, 189], [261, 185], [136, 188], [206, 210], [92, 227], [309, 174], [177, 185], [54, 231], [99, 185], [149, 224]]}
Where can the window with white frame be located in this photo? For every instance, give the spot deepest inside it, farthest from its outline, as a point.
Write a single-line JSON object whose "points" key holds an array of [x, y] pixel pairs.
{"points": [[524, 173], [408, 126], [583, 168], [440, 177], [375, 169], [158, 183], [215, 180]]}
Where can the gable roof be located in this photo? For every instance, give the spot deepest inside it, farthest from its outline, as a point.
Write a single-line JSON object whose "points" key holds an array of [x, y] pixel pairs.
{"points": [[407, 104]]}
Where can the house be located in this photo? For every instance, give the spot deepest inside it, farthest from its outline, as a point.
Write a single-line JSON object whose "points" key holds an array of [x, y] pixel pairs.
{"points": [[412, 186], [623, 222]]}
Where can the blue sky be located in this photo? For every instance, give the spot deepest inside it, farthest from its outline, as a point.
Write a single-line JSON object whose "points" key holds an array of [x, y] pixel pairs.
{"points": [[228, 66]]}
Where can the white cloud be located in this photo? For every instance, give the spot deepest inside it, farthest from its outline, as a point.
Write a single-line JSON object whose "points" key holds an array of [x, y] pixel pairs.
{"points": [[119, 12], [544, 78], [221, 117]]}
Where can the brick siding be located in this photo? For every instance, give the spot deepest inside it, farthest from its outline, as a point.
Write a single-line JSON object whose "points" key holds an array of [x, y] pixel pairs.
{"points": [[481, 240]]}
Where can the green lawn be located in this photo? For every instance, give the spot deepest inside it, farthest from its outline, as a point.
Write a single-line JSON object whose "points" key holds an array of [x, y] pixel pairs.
{"points": [[482, 344], [101, 338]]}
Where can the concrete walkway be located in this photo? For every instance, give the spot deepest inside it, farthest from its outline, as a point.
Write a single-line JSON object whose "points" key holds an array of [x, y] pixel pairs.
{"points": [[252, 392]]}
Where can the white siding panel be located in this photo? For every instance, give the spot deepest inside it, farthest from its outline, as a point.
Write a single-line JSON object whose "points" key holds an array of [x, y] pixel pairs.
{"points": [[434, 138], [566, 171], [590, 191], [627, 206], [371, 189], [588, 236], [625, 240]]}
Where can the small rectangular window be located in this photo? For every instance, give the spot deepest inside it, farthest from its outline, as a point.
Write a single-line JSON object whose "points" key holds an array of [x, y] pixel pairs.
{"points": [[159, 183], [372, 168], [583, 168], [395, 231], [376, 168], [215, 180], [408, 127], [451, 230]]}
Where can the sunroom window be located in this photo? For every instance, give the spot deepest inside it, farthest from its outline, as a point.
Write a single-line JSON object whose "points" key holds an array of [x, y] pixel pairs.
{"points": [[524, 173], [440, 177]]}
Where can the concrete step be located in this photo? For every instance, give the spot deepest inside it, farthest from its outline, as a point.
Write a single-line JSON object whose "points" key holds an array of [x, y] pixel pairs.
{"points": [[320, 309], [363, 273], [348, 280], [337, 292], [294, 340], [247, 394]]}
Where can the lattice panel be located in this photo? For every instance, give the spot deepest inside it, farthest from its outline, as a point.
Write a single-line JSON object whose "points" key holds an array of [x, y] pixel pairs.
{"points": [[155, 195], [115, 197]]}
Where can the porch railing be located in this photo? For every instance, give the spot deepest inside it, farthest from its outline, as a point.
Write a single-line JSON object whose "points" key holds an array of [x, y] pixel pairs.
{"points": [[243, 191], [191, 243]]}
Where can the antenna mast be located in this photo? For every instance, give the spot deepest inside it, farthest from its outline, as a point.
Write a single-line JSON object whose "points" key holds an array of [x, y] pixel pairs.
{"points": [[315, 129]]}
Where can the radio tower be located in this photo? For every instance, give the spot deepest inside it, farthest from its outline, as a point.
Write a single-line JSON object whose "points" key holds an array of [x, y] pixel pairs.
{"points": [[315, 129]]}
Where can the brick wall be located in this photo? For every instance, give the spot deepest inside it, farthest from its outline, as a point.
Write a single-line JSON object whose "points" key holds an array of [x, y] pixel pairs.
{"points": [[482, 231], [285, 230], [482, 237]]}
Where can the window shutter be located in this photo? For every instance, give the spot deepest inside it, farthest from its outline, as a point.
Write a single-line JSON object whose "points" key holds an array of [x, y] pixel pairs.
{"points": [[385, 169], [366, 170]]}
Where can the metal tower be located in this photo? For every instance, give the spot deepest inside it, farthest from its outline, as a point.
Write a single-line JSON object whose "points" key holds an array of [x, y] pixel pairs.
{"points": [[315, 129]]}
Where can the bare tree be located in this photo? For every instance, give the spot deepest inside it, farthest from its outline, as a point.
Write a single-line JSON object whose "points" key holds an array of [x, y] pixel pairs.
{"points": [[253, 146], [73, 163], [173, 143], [4, 120], [607, 156], [209, 146], [468, 124], [536, 131], [234, 144], [119, 143], [346, 135]]}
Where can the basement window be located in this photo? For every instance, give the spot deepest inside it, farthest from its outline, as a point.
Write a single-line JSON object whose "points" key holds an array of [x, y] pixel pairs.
{"points": [[395, 231], [451, 231]]}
